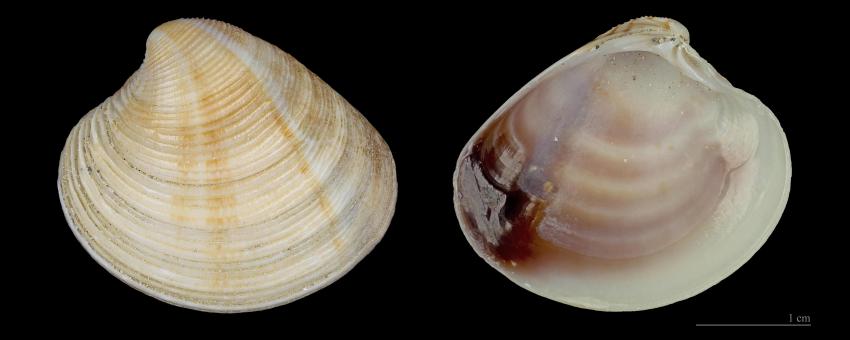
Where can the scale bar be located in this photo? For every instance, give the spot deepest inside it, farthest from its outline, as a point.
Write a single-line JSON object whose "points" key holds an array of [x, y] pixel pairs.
{"points": [[753, 325]]}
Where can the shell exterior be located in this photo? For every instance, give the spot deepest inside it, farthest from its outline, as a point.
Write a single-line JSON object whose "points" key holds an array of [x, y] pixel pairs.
{"points": [[224, 176], [629, 175]]}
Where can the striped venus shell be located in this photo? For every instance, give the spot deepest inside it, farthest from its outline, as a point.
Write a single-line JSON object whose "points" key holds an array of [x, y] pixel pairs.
{"points": [[629, 175], [224, 176]]}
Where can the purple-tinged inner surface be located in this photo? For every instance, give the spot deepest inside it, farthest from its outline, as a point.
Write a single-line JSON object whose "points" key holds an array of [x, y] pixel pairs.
{"points": [[614, 158]]}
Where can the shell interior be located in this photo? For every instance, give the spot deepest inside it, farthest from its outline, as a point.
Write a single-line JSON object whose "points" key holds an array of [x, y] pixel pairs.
{"points": [[627, 176]]}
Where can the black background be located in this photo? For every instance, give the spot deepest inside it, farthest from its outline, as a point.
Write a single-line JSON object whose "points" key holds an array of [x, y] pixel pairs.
{"points": [[427, 78]]}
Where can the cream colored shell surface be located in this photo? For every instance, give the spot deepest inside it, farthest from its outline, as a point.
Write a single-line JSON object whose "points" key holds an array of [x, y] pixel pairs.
{"points": [[224, 176]]}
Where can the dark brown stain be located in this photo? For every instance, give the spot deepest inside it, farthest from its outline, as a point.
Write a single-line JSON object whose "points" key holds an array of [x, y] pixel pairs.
{"points": [[518, 217], [524, 212]]}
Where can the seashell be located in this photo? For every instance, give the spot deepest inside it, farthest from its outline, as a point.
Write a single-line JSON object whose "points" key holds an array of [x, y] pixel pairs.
{"points": [[628, 175], [224, 176]]}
